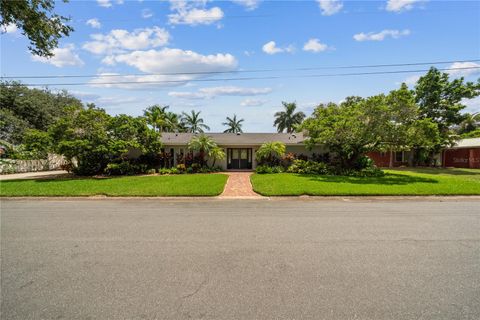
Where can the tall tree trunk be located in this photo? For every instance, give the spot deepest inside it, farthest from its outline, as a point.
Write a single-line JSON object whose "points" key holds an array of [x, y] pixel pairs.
{"points": [[390, 164]]}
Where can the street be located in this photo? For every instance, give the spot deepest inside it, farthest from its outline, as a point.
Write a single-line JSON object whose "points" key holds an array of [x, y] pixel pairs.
{"points": [[240, 259]]}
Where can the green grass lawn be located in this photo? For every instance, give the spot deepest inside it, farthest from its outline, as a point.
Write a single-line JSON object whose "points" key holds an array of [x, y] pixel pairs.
{"points": [[174, 185], [395, 182]]}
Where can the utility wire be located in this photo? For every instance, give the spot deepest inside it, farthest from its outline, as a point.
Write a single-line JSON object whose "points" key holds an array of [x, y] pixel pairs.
{"points": [[236, 71], [245, 78]]}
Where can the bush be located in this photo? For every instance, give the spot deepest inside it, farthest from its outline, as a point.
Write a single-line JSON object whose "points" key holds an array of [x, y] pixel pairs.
{"points": [[151, 171], [124, 168], [308, 167], [181, 168], [262, 169]]}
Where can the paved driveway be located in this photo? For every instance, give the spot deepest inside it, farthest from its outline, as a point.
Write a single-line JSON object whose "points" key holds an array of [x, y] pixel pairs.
{"points": [[249, 259]]}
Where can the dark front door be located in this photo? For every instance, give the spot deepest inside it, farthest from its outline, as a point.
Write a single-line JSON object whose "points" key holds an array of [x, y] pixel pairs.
{"points": [[240, 158]]}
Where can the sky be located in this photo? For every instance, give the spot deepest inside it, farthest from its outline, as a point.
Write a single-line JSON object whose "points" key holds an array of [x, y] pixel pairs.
{"points": [[245, 57]]}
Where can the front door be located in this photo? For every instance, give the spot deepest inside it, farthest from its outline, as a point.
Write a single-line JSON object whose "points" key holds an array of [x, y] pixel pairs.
{"points": [[239, 158]]}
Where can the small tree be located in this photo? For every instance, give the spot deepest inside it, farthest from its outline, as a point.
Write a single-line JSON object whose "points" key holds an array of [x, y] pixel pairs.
{"points": [[216, 153], [37, 142], [270, 153], [203, 145]]}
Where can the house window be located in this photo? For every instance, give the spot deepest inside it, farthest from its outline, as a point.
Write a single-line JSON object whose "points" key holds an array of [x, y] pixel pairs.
{"points": [[399, 156]]}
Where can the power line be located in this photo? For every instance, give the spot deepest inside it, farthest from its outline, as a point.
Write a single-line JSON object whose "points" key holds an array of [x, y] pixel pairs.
{"points": [[246, 78], [236, 71]]}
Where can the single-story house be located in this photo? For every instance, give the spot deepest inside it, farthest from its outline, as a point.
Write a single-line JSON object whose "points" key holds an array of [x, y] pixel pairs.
{"points": [[465, 154], [240, 148]]}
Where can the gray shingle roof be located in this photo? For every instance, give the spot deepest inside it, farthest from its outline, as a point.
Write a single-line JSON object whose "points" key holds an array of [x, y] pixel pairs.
{"points": [[232, 139]]}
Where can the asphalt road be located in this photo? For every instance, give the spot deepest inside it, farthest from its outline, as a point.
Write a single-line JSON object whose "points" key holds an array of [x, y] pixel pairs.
{"points": [[248, 259]]}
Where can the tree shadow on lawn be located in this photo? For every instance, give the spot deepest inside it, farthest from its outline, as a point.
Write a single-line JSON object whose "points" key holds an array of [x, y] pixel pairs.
{"points": [[437, 171], [388, 179]]}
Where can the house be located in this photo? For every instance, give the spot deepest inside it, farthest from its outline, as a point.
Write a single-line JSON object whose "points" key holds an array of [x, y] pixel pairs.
{"points": [[240, 148], [465, 154]]}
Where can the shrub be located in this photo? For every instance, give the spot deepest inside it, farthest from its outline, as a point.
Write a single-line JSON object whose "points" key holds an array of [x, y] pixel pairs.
{"points": [[151, 171], [268, 169], [181, 168], [308, 167], [124, 168]]}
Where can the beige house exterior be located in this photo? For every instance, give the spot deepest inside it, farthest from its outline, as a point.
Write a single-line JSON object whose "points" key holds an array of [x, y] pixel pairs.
{"points": [[240, 148]]}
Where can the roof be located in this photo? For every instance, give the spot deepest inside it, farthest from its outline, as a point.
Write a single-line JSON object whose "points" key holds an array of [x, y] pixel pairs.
{"points": [[233, 139], [467, 143]]}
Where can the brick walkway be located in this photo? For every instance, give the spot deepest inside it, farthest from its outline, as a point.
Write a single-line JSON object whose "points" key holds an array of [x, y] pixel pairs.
{"points": [[239, 186]]}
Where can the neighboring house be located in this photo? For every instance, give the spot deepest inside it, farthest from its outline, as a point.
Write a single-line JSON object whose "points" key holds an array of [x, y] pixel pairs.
{"points": [[465, 154], [239, 148]]}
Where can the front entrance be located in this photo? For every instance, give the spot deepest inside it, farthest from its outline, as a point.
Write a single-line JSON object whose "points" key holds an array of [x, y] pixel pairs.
{"points": [[240, 158]]}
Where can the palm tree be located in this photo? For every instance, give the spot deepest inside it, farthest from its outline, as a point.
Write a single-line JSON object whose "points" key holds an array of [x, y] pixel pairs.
{"points": [[235, 126], [288, 119], [216, 153], [270, 152], [172, 122], [155, 116], [470, 123], [203, 145], [193, 123]]}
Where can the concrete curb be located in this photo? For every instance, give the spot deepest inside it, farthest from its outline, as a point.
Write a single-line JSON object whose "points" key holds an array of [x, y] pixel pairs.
{"points": [[223, 198]]}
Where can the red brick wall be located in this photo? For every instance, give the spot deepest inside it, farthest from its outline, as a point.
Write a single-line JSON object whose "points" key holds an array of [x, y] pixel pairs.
{"points": [[380, 159], [462, 158]]}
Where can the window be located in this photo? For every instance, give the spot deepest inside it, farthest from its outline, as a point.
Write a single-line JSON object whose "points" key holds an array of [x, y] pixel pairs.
{"points": [[399, 156]]}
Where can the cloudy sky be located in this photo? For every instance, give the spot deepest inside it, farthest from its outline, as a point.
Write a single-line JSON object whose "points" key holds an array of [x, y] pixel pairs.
{"points": [[246, 56]]}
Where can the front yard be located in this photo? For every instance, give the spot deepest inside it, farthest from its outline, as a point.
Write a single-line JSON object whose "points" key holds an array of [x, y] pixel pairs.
{"points": [[175, 185], [424, 181]]}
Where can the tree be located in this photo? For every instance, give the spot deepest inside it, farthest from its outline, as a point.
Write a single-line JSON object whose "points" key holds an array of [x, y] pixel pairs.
{"points": [[216, 153], [37, 21], [193, 123], [349, 130], [234, 125], [155, 116], [270, 152], [440, 100], [37, 142], [471, 122], [22, 108], [288, 119], [203, 144]]}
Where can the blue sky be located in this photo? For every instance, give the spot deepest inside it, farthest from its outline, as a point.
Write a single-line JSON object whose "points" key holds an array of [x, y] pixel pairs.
{"points": [[121, 38]]}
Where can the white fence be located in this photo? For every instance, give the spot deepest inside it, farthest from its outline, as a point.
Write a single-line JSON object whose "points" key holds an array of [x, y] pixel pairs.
{"points": [[53, 162]]}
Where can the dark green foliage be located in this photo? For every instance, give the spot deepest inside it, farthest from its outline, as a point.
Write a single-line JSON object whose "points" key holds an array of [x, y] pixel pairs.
{"points": [[38, 23], [125, 168], [308, 167], [266, 169], [22, 108], [288, 120], [234, 125]]}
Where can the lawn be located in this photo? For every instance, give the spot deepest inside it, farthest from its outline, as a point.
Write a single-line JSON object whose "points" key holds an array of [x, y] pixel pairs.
{"points": [[395, 182], [175, 185]]}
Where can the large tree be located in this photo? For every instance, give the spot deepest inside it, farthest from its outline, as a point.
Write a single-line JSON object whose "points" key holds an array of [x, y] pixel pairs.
{"points": [[350, 129], [38, 22], [193, 122], [234, 125], [23, 108], [440, 99], [289, 119]]}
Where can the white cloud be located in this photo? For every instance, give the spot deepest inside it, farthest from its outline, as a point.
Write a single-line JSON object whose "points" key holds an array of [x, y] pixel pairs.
{"points": [[168, 64], [314, 45], [193, 13], [248, 4], [104, 3], [62, 57], [462, 72], [401, 5], [472, 105], [380, 36], [330, 7], [119, 40], [212, 92], [9, 28], [147, 13], [94, 23], [411, 80], [271, 48], [252, 102]]}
